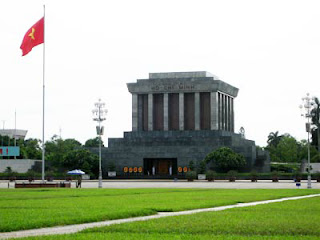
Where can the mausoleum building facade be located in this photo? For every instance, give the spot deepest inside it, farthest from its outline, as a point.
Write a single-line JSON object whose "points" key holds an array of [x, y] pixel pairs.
{"points": [[177, 117]]}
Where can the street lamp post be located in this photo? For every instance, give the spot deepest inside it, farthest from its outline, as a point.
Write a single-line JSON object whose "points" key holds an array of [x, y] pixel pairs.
{"points": [[99, 112], [308, 105]]}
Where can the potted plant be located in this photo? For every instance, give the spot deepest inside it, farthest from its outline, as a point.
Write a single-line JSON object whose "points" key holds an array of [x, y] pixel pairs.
{"points": [[254, 176], [10, 174], [191, 175], [12, 177], [275, 176], [111, 169], [31, 175], [211, 175], [202, 170], [191, 166], [232, 175], [50, 176], [297, 176]]}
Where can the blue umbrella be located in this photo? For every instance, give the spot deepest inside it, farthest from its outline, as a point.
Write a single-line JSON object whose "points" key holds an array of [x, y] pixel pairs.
{"points": [[76, 172]]}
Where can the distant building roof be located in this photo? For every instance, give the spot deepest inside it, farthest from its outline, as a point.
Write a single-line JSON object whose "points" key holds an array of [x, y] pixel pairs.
{"points": [[17, 133], [197, 74]]}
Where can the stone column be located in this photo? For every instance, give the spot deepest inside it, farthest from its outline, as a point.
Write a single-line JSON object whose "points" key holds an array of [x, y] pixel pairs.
{"points": [[165, 112], [220, 110], [232, 115], [227, 120], [223, 111], [181, 111], [134, 112], [214, 117], [140, 112], [197, 111], [150, 112]]}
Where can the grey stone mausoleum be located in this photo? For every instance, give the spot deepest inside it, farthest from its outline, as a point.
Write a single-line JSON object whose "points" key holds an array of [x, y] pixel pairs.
{"points": [[178, 117]]}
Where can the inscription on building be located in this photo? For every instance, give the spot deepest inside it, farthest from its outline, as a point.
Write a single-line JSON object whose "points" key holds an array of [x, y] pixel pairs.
{"points": [[172, 87]]}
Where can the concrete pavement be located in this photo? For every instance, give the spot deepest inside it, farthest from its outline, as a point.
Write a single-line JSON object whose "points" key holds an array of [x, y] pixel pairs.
{"points": [[147, 183]]}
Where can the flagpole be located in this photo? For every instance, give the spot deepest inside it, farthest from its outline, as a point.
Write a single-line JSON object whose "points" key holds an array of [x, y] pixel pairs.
{"points": [[43, 94], [15, 129]]}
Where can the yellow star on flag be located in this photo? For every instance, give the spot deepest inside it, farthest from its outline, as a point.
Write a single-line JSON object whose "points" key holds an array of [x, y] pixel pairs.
{"points": [[32, 34]]}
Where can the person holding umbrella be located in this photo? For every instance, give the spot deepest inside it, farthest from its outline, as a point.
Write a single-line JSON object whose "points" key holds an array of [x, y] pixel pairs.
{"points": [[79, 181], [79, 173]]}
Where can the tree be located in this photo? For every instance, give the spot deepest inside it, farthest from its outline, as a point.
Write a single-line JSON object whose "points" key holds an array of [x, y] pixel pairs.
{"points": [[288, 149], [93, 142], [303, 151], [315, 133], [274, 139], [315, 158], [30, 148], [5, 140], [226, 159], [69, 154], [57, 148], [82, 159]]}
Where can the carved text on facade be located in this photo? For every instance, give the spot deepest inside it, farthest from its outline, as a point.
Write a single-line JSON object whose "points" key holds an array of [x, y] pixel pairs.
{"points": [[172, 87]]}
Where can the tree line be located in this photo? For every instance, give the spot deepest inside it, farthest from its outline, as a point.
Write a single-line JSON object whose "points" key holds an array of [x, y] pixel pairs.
{"points": [[66, 154], [61, 155], [285, 148]]}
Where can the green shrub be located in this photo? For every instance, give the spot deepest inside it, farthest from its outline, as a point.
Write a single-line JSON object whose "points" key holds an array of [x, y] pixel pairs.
{"points": [[316, 158], [297, 175], [8, 170], [191, 175], [232, 173], [191, 165], [111, 167], [210, 175], [31, 173], [225, 159], [287, 168], [275, 174], [201, 167], [254, 174]]}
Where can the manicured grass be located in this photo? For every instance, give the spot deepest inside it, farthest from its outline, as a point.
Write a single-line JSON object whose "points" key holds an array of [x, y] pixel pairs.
{"points": [[30, 208], [296, 219]]}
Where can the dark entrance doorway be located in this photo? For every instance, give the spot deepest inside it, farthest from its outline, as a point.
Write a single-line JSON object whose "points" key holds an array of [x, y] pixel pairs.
{"points": [[160, 166]]}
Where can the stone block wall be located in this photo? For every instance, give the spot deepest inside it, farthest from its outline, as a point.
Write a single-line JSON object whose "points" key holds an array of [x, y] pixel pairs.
{"points": [[184, 146], [18, 165]]}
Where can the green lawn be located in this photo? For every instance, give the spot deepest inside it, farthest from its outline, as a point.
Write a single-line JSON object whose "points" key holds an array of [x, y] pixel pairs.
{"points": [[296, 219], [29, 208]]}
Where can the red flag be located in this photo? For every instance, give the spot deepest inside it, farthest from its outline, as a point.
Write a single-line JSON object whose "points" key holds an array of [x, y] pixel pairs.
{"points": [[33, 37]]}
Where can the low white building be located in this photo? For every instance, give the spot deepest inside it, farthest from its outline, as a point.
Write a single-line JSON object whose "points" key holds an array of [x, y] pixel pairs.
{"points": [[14, 133]]}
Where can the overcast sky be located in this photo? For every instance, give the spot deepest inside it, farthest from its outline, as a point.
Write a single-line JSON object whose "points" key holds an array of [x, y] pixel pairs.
{"points": [[270, 50]]}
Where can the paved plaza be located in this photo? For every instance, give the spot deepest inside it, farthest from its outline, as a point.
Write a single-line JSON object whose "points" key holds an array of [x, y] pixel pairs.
{"points": [[239, 184]]}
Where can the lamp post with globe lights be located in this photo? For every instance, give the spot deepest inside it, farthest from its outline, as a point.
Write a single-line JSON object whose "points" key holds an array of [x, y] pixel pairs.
{"points": [[99, 112], [308, 105]]}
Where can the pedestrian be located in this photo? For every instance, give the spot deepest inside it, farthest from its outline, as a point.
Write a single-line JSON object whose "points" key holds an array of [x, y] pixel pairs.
{"points": [[79, 182]]}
